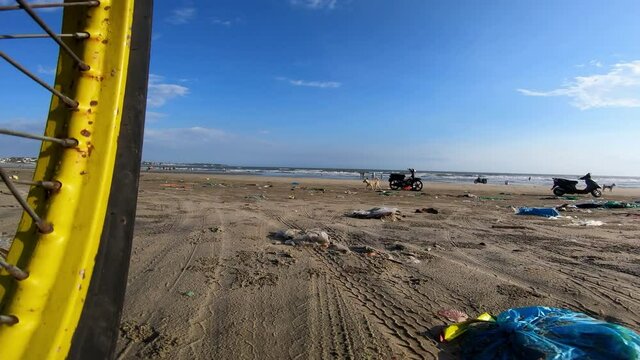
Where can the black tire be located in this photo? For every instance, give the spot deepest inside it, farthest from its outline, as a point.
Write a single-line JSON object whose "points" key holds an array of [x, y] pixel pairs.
{"points": [[596, 193], [558, 191], [417, 185], [395, 184], [97, 331]]}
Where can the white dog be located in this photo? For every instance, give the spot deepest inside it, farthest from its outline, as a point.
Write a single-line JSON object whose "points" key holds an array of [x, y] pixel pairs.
{"points": [[373, 184]]}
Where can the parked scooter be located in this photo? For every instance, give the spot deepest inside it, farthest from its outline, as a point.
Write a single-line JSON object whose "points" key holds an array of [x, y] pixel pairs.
{"points": [[400, 181], [564, 186]]}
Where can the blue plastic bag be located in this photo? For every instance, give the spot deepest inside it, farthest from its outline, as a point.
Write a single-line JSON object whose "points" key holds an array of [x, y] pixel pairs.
{"points": [[549, 333], [546, 212]]}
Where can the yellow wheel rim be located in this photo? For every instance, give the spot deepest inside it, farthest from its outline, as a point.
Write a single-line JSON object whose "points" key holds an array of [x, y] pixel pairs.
{"points": [[49, 302]]}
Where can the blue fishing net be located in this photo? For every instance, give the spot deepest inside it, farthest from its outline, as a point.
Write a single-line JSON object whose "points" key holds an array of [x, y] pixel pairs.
{"points": [[549, 333]]}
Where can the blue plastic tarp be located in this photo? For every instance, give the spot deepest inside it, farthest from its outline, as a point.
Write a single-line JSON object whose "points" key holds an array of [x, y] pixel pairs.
{"points": [[549, 333], [545, 212]]}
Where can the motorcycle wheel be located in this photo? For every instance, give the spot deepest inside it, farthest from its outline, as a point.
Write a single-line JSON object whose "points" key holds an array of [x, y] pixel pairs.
{"points": [[558, 191], [596, 193], [417, 185], [395, 184]]}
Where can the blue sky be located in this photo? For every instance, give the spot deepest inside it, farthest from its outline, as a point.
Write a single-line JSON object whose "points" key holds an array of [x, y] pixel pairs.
{"points": [[507, 86]]}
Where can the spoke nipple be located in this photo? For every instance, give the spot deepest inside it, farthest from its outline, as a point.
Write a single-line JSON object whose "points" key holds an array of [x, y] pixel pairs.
{"points": [[70, 142], [8, 319], [14, 271], [81, 35], [44, 227], [83, 66], [72, 104], [51, 185]]}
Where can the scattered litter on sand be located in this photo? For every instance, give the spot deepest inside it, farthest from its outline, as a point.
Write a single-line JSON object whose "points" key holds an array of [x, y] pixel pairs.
{"points": [[572, 208], [607, 205], [376, 213], [468, 195], [578, 222], [292, 197], [427, 210], [349, 192], [215, 229], [544, 212], [301, 237], [491, 198], [189, 294]]}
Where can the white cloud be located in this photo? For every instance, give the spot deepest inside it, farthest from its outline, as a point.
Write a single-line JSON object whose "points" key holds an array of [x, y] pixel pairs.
{"points": [[160, 92], [315, 4], [186, 137], [316, 84], [620, 87], [181, 15], [595, 63], [222, 22], [46, 70]]}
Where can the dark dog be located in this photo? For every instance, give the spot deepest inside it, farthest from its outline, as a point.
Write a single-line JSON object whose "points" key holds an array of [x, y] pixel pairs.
{"points": [[610, 187]]}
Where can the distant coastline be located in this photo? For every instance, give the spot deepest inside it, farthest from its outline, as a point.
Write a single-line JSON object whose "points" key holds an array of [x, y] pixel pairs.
{"points": [[456, 177], [355, 174]]}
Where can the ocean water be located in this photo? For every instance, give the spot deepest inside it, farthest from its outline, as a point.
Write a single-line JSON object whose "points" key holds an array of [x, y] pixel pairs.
{"points": [[427, 176]]}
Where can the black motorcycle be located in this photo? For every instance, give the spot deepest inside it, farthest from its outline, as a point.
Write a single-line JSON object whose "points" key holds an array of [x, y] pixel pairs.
{"points": [[564, 186], [401, 181], [480, 180]]}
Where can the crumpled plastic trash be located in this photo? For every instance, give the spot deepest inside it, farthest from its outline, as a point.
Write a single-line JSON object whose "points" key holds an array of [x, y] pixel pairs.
{"points": [[544, 212], [375, 213], [296, 236], [586, 223], [539, 332]]}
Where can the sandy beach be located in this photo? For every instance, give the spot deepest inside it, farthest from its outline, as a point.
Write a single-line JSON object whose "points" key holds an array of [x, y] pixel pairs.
{"points": [[209, 280]]}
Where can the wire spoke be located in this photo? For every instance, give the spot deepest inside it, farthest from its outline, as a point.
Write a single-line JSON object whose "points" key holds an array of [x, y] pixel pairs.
{"points": [[8, 319], [51, 5], [69, 142], [42, 225], [77, 36], [67, 100], [13, 270], [49, 185], [81, 64]]}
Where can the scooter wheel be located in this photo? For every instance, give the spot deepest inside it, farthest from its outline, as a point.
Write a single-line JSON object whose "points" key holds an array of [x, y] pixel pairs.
{"points": [[596, 193], [559, 192]]}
